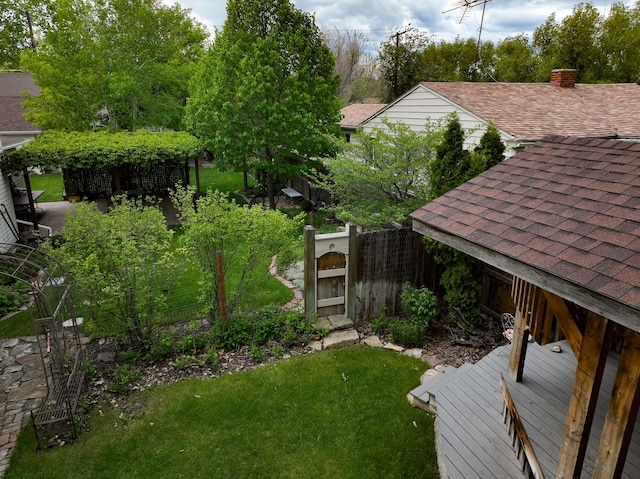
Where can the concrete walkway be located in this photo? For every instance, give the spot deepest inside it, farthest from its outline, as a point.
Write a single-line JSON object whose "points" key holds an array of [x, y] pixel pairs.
{"points": [[22, 388]]}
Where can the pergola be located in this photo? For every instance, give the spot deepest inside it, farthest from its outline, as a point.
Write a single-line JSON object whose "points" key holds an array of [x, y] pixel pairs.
{"points": [[563, 217]]}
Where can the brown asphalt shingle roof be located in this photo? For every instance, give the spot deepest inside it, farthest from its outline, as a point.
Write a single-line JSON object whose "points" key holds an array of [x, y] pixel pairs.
{"points": [[356, 113], [530, 111], [568, 206], [11, 111]]}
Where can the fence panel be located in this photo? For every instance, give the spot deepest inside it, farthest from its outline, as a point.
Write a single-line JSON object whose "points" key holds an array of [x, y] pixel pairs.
{"points": [[387, 260]]}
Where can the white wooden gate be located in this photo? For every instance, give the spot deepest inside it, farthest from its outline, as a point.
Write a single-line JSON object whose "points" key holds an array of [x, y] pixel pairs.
{"points": [[330, 273]]}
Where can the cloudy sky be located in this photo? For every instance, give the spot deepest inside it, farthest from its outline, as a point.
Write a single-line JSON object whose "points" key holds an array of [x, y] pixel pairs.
{"points": [[377, 19]]}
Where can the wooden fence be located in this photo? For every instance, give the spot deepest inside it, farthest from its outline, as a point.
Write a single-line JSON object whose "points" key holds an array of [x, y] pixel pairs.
{"points": [[386, 260]]}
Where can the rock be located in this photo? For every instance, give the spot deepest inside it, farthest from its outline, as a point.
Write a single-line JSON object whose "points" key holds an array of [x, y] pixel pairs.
{"points": [[393, 347], [414, 353], [315, 345], [428, 374], [338, 339], [107, 356], [340, 322], [372, 342], [11, 343]]}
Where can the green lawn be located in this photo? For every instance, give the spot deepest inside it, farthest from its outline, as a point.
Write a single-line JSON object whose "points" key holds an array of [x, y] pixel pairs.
{"points": [[337, 414], [227, 181], [52, 185]]}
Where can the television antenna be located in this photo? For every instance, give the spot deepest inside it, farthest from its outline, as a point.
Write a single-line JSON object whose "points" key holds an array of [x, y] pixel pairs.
{"points": [[465, 6]]}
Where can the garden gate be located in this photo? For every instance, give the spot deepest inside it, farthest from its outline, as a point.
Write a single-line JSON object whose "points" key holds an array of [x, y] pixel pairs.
{"points": [[329, 273]]}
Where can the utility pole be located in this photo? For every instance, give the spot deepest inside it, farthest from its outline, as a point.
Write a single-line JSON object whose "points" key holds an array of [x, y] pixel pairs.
{"points": [[33, 39], [396, 93]]}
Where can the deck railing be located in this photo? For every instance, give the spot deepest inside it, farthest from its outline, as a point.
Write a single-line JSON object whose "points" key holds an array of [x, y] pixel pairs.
{"points": [[519, 439]]}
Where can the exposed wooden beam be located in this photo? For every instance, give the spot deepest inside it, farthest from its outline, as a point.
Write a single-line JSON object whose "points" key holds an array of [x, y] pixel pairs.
{"points": [[623, 409], [593, 356], [566, 320], [518, 347], [602, 305]]}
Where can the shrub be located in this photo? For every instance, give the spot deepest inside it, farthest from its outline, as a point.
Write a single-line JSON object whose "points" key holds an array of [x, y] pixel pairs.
{"points": [[421, 304], [257, 353], [123, 376], [211, 358], [407, 332]]}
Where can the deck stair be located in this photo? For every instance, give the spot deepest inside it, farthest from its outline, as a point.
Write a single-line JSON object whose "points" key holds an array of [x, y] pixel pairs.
{"points": [[424, 396]]}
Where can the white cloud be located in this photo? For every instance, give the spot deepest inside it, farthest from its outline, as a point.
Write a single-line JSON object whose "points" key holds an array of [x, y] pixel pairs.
{"points": [[377, 19]]}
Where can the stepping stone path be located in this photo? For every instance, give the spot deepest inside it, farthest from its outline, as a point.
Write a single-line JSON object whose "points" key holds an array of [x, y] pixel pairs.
{"points": [[22, 388]]}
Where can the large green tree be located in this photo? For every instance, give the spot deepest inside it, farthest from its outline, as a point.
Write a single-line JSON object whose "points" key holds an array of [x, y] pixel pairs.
{"points": [[453, 166], [265, 96], [382, 175], [124, 63], [20, 22]]}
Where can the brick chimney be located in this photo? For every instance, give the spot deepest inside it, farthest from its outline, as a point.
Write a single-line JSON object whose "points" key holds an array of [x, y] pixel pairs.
{"points": [[564, 77]]}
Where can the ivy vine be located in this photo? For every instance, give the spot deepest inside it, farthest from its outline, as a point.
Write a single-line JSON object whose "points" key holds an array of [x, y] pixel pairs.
{"points": [[103, 149]]}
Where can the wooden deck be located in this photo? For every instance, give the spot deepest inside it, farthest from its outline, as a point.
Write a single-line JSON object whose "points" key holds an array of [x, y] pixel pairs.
{"points": [[473, 439]]}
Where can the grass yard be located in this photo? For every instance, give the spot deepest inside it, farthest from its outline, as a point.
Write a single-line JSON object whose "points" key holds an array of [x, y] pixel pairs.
{"points": [[337, 414], [225, 181], [52, 185], [17, 325]]}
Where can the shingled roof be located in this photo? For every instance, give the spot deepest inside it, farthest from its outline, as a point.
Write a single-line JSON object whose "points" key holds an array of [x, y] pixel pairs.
{"points": [[356, 113], [531, 111], [14, 129], [563, 214]]}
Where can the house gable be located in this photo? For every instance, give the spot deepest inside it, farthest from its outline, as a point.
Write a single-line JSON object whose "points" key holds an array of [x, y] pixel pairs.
{"points": [[523, 112]]}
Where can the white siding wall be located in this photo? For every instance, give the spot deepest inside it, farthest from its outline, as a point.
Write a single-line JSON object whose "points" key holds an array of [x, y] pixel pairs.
{"points": [[6, 236], [421, 104]]}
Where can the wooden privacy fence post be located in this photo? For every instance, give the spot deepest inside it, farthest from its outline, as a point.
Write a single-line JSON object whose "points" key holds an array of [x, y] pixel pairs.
{"points": [[309, 272]]}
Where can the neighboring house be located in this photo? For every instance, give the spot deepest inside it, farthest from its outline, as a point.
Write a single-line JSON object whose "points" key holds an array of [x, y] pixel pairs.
{"points": [[354, 115], [15, 132], [563, 218], [523, 112]]}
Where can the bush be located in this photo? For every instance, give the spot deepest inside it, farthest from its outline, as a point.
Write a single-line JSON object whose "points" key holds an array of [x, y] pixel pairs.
{"points": [[12, 296], [420, 304], [408, 332], [123, 376]]}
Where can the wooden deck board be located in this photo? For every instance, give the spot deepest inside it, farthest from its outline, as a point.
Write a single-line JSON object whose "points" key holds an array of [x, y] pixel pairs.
{"points": [[474, 439]]}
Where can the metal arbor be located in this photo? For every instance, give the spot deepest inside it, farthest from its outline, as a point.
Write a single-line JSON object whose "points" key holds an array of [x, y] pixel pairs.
{"points": [[43, 285]]}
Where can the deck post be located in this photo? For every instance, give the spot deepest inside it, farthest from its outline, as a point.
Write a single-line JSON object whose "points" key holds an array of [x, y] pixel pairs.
{"points": [[518, 347], [622, 413], [594, 350]]}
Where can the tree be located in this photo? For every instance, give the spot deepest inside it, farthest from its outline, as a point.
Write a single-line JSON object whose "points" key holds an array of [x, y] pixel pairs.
{"points": [[620, 43], [400, 61], [515, 60], [460, 60], [490, 148], [120, 263], [247, 237], [348, 50], [381, 176], [122, 63], [16, 34], [452, 167], [265, 96]]}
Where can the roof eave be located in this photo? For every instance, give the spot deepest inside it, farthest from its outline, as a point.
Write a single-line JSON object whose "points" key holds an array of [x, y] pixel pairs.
{"points": [[591, 300]]}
